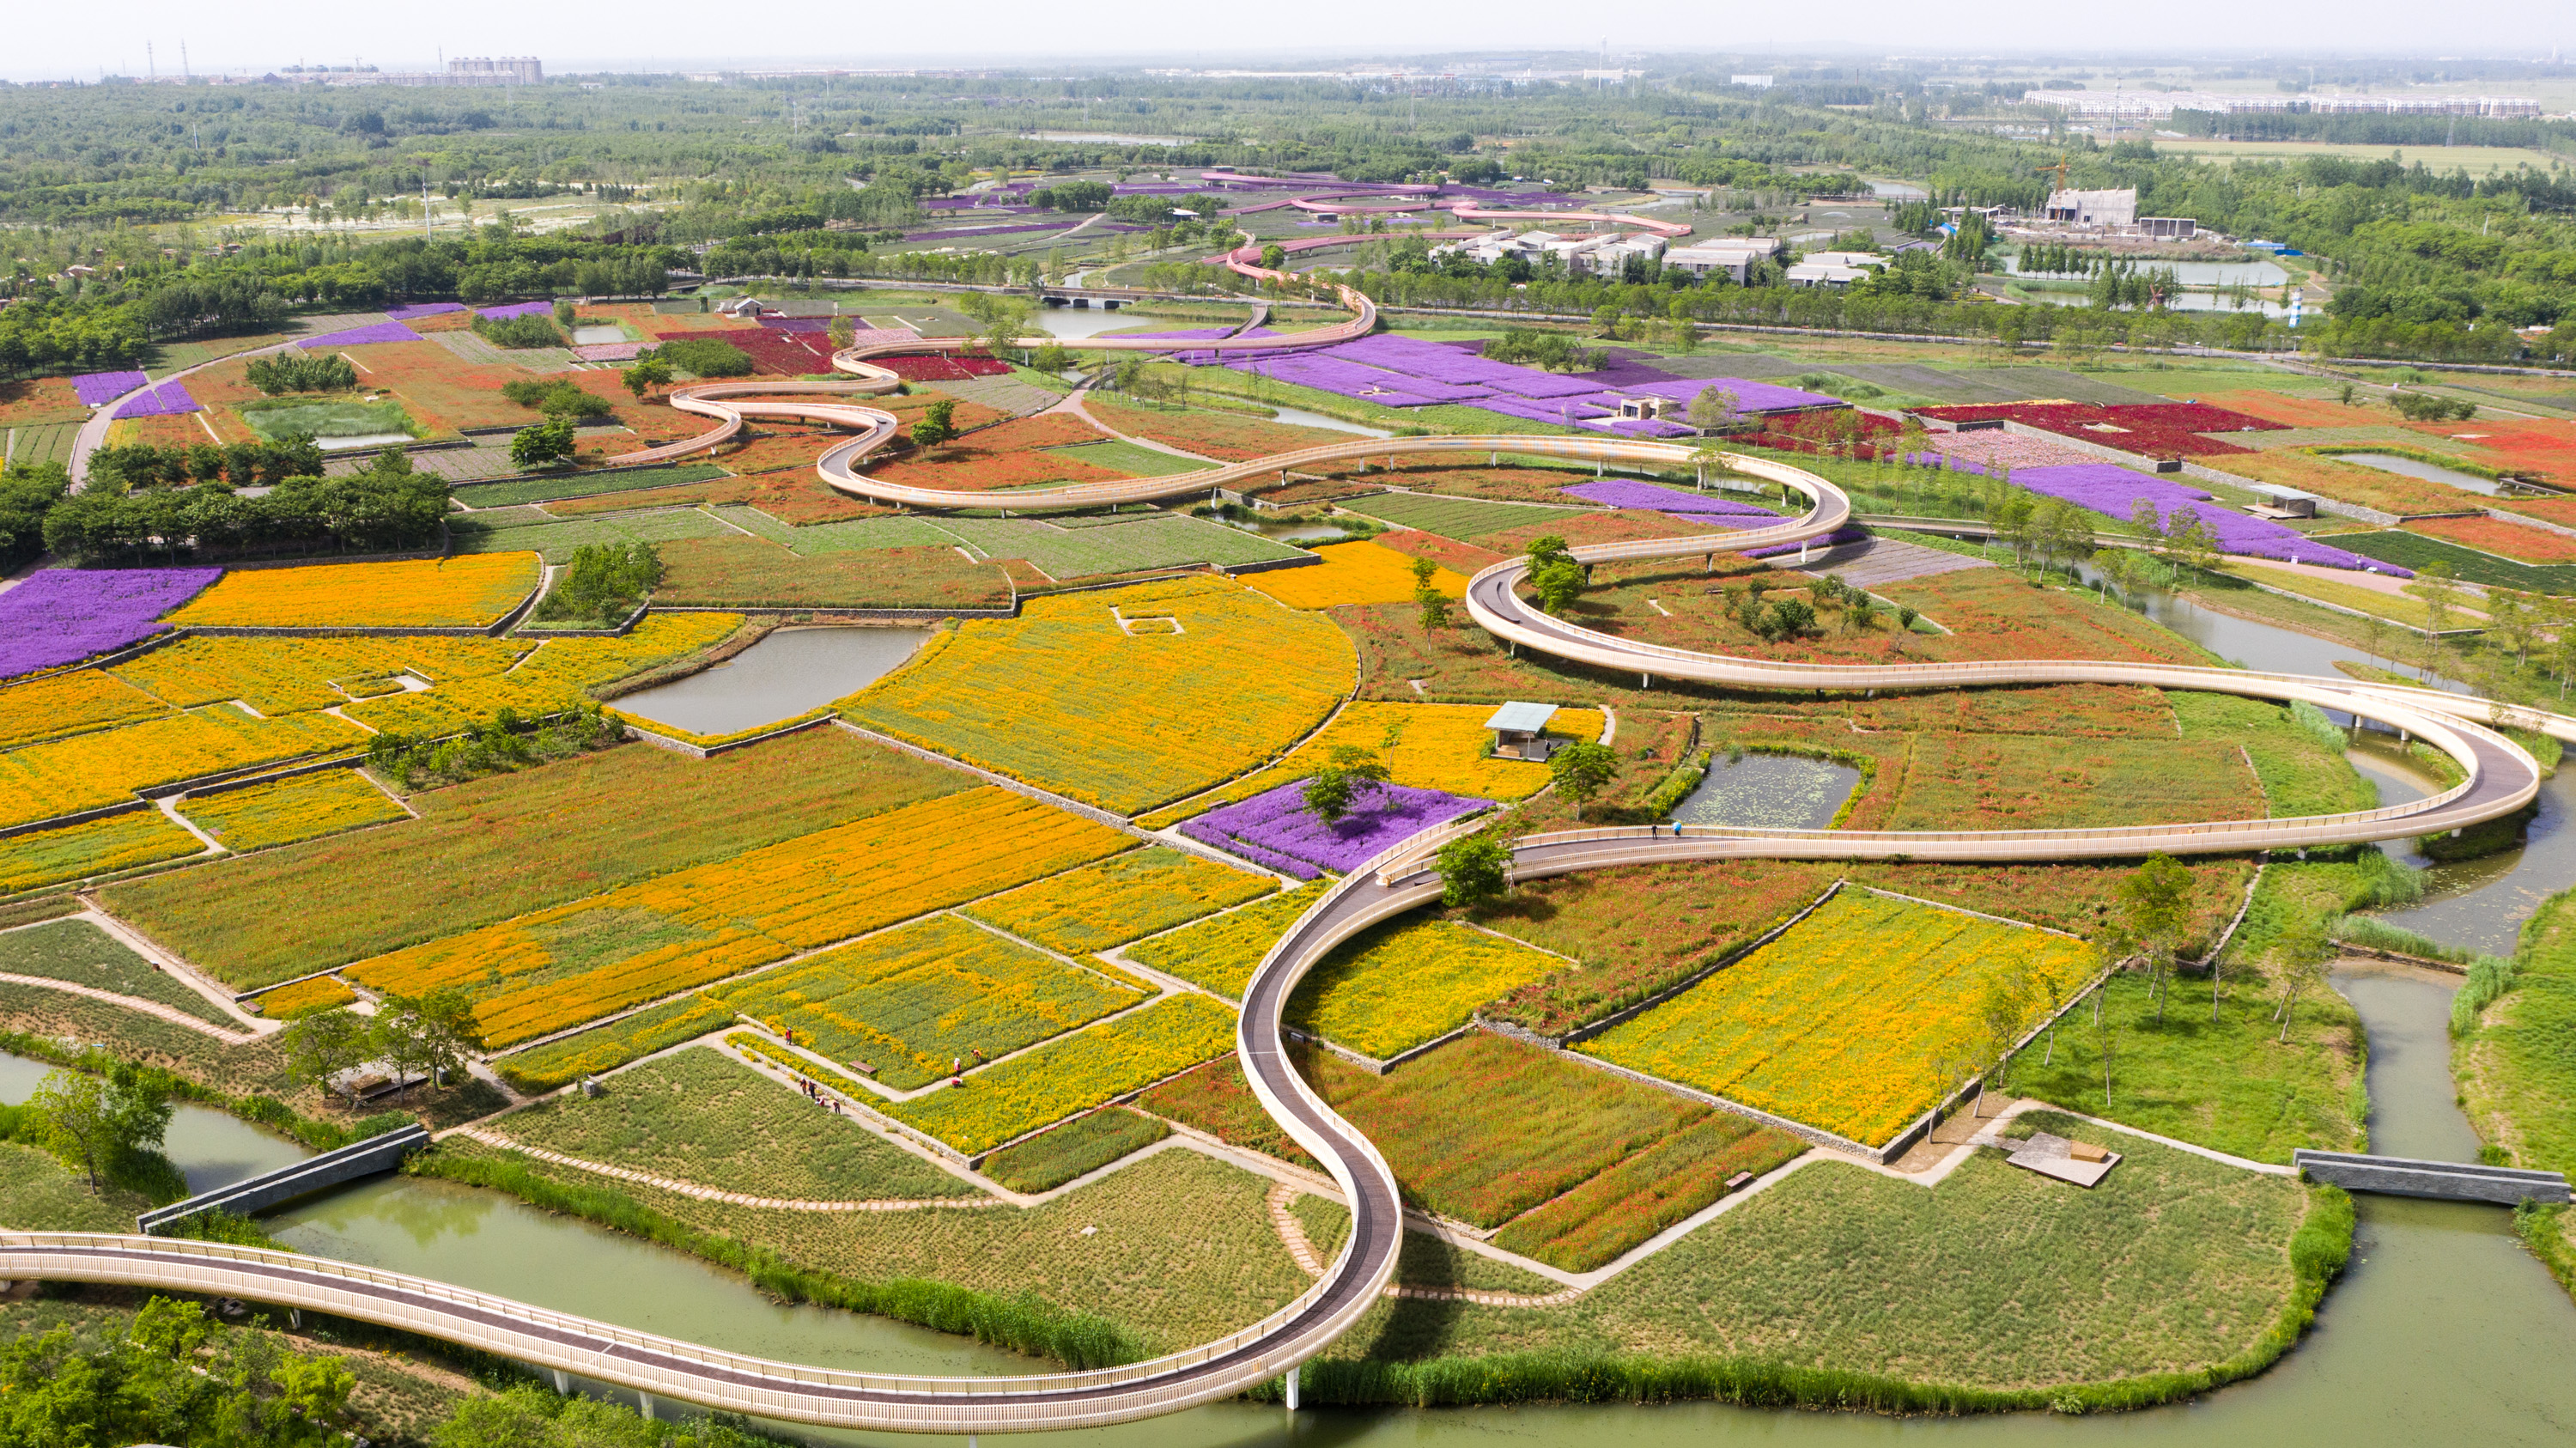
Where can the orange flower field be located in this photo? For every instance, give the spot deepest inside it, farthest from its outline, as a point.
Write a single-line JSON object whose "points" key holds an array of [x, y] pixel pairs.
{"points": [[471, 591], [2513, 540], [302, 808], [556, 968], [61, 704], [1857, 1020], [1352, 573], [106, 766]]}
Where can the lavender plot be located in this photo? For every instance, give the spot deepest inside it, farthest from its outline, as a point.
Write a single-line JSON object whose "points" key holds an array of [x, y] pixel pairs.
{"points": [[1628, 493], [98, 389], [64, 615], [1274, 828], [361, 336]]}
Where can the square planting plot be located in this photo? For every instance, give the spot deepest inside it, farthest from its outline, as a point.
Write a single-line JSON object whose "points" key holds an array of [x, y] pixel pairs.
{"points": [[63, 615], [2410, 550], [557, 968], [1063, 698], [562, 1062], [79, 952], [1460, 518], [515, 530], [2516, 541], [1276, 829], [435, 593], [1592, 1225], [1222, 436], [1486, 1128], [697, 1116], [303, 808], [736, 572], [1425, 746], [1220, 954], [562, 674], [585, 484], [1857, 1020], [106, 766], [1100, 907], [2034, 781], [95, 847], [1073, 1073], [1353, 573], [1400, 984], [60, 704], [917, 1002], [1155, 540], [515, 843], [1084, 1144], [296, 676]]}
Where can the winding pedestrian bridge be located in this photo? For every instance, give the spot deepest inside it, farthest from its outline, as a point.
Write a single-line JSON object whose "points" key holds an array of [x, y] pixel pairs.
{"points": [[2500, 779]]}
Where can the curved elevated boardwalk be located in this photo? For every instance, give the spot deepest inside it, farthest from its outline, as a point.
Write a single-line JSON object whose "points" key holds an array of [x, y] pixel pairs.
{"points": [[2501, 777]]}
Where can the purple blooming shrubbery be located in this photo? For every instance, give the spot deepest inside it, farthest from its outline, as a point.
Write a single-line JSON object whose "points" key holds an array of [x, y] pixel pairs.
{"points": [[515, 309], [361, 336], [64, 615], [1273, 828], [98, 389], [1628, 493], [1394, 371], [2114, 491], [161, 401], [409, 310]]}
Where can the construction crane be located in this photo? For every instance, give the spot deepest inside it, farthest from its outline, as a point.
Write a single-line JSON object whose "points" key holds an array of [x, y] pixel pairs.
{"points": [[2059, 169]]}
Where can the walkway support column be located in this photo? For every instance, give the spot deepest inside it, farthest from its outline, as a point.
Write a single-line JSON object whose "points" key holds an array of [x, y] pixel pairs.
{"points": [[1291, 1380]]}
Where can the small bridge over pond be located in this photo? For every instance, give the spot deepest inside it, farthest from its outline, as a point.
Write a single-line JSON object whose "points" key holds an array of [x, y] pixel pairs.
{"points": [[2453, 1181], [332, 1168]]}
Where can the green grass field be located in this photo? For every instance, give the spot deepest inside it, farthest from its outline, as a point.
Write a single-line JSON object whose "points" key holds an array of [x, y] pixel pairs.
{"points": [[1086, 1143], [1459, 518], [698, 1116], [582, 485], [516, 530], [1128, 458], [2414, 550], [77, 951], [342, 418], [2519, 1065]]}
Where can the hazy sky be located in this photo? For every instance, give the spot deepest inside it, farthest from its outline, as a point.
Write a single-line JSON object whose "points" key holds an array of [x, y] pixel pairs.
{"points": [[66, 41]]}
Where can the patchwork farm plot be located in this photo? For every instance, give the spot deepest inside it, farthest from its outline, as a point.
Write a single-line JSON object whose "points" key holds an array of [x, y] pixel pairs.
{"points": [[1005, 988], [1858, 1019]]}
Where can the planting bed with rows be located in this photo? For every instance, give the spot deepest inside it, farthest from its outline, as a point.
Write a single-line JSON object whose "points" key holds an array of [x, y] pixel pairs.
{"points": [[1073, 1073], [300, 808], [1102, 906], [558, 968], [908, 1006], [1857, 1020], [1125, 721]]}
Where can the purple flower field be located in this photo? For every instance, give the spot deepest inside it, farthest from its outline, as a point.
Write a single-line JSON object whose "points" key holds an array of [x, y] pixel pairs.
{"points": [[165, 400], [1273, 828], [409, 310], [361, 336], [2110, 489], [98, 389], [515, 309], [1395, 371], [609, 351], [64, 615], [1627, 493]]}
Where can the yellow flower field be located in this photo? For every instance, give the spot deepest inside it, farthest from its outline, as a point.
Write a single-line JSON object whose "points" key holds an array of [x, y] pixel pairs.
{"points": [[96, 847], [555, 968], [472, 591], [1393, 987], [288, 676], [302, 808], [50, 708], [1073, 1073], [1220, 954], [106, 766], [1352, 573], [1427, 746], [559, 675], [914, 1000], [1100, 907], [321, 993], [558, 1063], [1847, 1021], [1063, 698]]}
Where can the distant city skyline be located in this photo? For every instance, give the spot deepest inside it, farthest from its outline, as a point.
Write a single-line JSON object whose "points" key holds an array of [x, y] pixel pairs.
{"points": [[66, 43]]}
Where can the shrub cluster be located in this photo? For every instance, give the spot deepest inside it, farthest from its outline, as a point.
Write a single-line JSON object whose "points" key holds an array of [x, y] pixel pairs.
{"points": [[557, 398], [530, 331], [604, 581], [705, 356], [241, 465], [388, 509], [294, 370]]}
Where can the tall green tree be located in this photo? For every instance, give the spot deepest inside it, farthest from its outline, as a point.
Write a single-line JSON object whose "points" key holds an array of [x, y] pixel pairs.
{"points": [[97, 1122], [1582, 770]]}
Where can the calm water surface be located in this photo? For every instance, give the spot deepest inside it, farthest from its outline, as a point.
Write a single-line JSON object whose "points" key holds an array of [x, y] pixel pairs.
{"points": [[2429, 472], [1768, 791], [780, 677]]}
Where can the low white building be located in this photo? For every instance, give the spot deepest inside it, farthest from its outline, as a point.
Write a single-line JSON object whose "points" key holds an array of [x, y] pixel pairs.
{"points": [[1825, 274], [2094, 208], [1731, 255]]}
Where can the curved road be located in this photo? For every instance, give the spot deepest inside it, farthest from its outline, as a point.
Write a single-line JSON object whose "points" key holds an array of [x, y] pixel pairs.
{"points": [[2501, 778]]}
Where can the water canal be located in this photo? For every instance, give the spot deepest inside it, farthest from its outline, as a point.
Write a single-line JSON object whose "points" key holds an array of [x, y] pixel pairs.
{"points": [[2442, 1330]]}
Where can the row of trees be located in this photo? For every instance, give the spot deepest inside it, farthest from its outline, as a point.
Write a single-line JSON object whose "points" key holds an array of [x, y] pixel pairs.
{"points": [[139, 465], [426, 1038], [386, 509]]}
